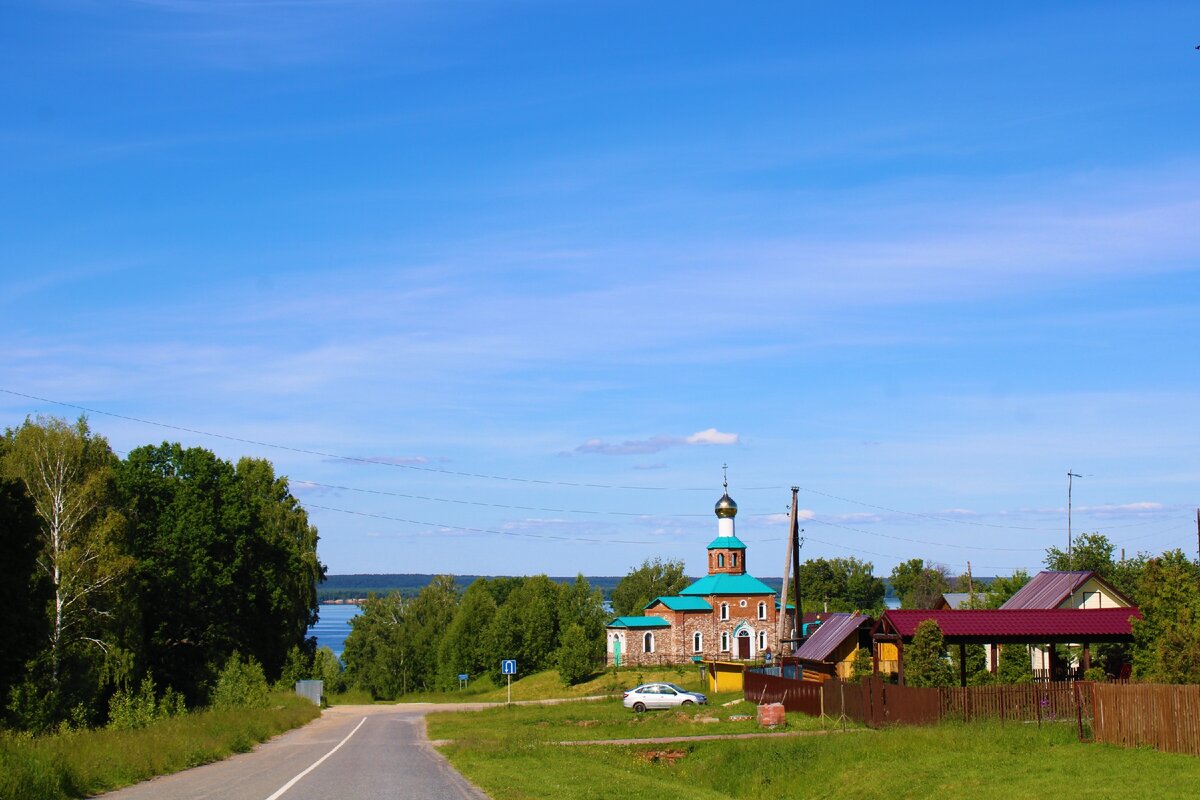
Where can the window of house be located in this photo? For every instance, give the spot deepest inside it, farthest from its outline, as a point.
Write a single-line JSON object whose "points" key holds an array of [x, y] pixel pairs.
{"points": [[725, 641], [720, 559], [648, 643], [1090, 600], [762, 610], [697, 642], [724, 610]]}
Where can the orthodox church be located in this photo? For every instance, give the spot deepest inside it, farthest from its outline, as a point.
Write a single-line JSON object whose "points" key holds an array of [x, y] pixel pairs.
{"points": [[726, 615]]}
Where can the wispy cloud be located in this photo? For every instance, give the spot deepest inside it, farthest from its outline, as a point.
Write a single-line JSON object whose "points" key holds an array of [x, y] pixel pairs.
{"points": [[655, 444]]}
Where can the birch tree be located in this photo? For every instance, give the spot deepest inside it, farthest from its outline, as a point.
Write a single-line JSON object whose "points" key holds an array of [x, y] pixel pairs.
{"points": [[67, 473]]}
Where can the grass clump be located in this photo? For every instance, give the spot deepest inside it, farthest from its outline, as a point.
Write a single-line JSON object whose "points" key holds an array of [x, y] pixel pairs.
{"points": [[84, 762]]}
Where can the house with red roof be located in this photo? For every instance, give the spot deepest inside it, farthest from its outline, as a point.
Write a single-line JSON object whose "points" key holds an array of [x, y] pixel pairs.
{"points": [[1060, 589], [829, 652], [726, 615], [1012, 626]]}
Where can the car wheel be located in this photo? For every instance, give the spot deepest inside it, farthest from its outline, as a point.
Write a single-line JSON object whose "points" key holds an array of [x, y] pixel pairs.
{"points": [[688, 703], [639, 707]]}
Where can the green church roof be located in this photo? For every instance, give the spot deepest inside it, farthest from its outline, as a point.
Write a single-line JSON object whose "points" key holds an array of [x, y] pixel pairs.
{"points": [[639, 622], [727, 543], [682, 603], [728, 584]]}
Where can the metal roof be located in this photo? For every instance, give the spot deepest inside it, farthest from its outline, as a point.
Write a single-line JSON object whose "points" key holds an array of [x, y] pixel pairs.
{"points": [[1016, 624], [639, 622], [956, 599], [676, 603], [829, 636], [1047, 589], [727, 542], [728, 584]]}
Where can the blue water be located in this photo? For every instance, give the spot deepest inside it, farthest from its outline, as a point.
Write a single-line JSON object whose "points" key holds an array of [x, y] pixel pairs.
{"points": [[333, 626]]}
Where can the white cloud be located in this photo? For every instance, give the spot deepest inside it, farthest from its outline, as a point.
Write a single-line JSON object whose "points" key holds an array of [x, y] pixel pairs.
{"points": [[712, 436]]}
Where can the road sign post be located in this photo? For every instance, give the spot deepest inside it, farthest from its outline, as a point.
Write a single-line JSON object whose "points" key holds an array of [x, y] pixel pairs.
{"points": [[508, 668]]}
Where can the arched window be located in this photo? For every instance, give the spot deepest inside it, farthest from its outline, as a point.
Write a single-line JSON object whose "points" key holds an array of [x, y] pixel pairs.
{"points": [[720, 559], [762, 640], [734, 557], [724, 641], [724, 610], [698, 642], [762, 610], [648, 643]]}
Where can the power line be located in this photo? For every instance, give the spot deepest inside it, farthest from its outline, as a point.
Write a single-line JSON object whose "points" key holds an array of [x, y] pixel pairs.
{"points": [[361, 460]]}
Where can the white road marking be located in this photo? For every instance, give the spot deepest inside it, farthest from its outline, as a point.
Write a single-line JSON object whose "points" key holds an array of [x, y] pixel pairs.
{"points": [[296, 779]]}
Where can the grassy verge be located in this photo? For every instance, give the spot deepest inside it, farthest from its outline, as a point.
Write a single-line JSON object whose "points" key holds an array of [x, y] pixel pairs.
{"points": [[81, 763], [605, 719], [547, 685], [511, 758]]}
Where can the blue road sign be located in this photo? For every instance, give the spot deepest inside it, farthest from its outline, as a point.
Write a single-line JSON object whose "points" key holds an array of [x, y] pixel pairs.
{"points": [[508, 666], [462, 676]]}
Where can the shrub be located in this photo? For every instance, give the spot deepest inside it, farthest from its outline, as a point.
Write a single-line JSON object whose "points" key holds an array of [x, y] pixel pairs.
{"points": [[241, 684]]}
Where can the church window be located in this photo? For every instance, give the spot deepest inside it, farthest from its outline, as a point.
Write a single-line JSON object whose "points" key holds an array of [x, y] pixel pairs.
{"points": [[648, 643], [725, 641], [698, 642], [724, 610], [742, 604], [720, 559], [733, 556], [762, 610], [762, 640]]}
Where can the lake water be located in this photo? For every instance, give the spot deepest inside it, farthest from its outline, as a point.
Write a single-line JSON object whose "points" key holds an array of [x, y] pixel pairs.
{"points": [[333, 626]]}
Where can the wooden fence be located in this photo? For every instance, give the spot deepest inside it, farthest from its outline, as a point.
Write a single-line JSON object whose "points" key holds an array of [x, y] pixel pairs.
{"points": [[1138, 714], [876, 702]]}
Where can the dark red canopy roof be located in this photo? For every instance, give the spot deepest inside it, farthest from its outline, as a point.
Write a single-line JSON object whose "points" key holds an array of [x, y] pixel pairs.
{"points": [[1024, 625]]}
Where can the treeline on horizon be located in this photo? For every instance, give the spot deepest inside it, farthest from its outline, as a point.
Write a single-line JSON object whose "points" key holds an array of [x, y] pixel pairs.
{"points": [[143, 580], [357, 586]]}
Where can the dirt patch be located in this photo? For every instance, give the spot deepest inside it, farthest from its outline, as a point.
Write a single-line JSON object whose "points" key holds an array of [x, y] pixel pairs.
{"points": [[661, 756], [586, 723]]}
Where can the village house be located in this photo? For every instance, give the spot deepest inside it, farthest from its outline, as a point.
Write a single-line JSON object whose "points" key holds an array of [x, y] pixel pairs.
{"points": [[726, 615]]}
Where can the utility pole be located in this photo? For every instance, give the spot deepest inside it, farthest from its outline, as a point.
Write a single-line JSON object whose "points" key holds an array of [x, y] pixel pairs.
{"points": [[1071, 476], [781, 631], [795, 534], [970, 582], [1198, 531]]}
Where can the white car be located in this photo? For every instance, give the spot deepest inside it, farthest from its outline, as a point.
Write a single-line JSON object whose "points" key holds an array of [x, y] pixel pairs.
{"points": [[661, 695]]}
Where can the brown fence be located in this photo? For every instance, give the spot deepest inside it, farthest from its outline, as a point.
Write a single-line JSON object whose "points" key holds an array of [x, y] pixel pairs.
{"points": [[1025, 702], [1136, 714], [876, 702]]}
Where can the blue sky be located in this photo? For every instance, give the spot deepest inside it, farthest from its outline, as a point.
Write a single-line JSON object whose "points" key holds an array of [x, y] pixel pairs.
{"points": [[501, 286]]}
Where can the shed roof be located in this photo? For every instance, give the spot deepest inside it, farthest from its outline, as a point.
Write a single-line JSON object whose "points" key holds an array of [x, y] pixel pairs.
{"points": [[956, 599], [639, 622], [728, 584], [829, 636], [676, 603], [1016, 624], [1049, 589]]}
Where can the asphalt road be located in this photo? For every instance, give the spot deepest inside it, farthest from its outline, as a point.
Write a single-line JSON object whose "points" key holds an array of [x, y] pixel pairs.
{"points": [[351, 752]]}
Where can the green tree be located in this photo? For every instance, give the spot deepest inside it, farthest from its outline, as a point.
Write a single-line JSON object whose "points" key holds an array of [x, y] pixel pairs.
{"points": [[999, 590], [976, 664], [576, 655], [919, 585], [863, 666], [1089, 552], [1015, 665], [234, 553], [376, 654], [926, 662], [654, 578], [465, 649], [67, 473], [327, 667], [24, 589], [840, 584], [1166, 641]]}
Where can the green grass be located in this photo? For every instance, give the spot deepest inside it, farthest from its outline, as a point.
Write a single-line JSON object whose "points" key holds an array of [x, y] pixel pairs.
{"points": [[601, 719], [547, 685], [508, 753], [81, 763]]}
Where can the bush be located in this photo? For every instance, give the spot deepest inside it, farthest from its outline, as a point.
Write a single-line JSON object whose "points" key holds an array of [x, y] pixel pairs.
{"points": [[575, 656], [241, 684]]}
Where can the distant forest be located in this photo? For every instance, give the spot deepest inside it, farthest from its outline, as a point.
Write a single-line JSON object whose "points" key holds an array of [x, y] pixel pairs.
{"points": [[355, 587]]}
